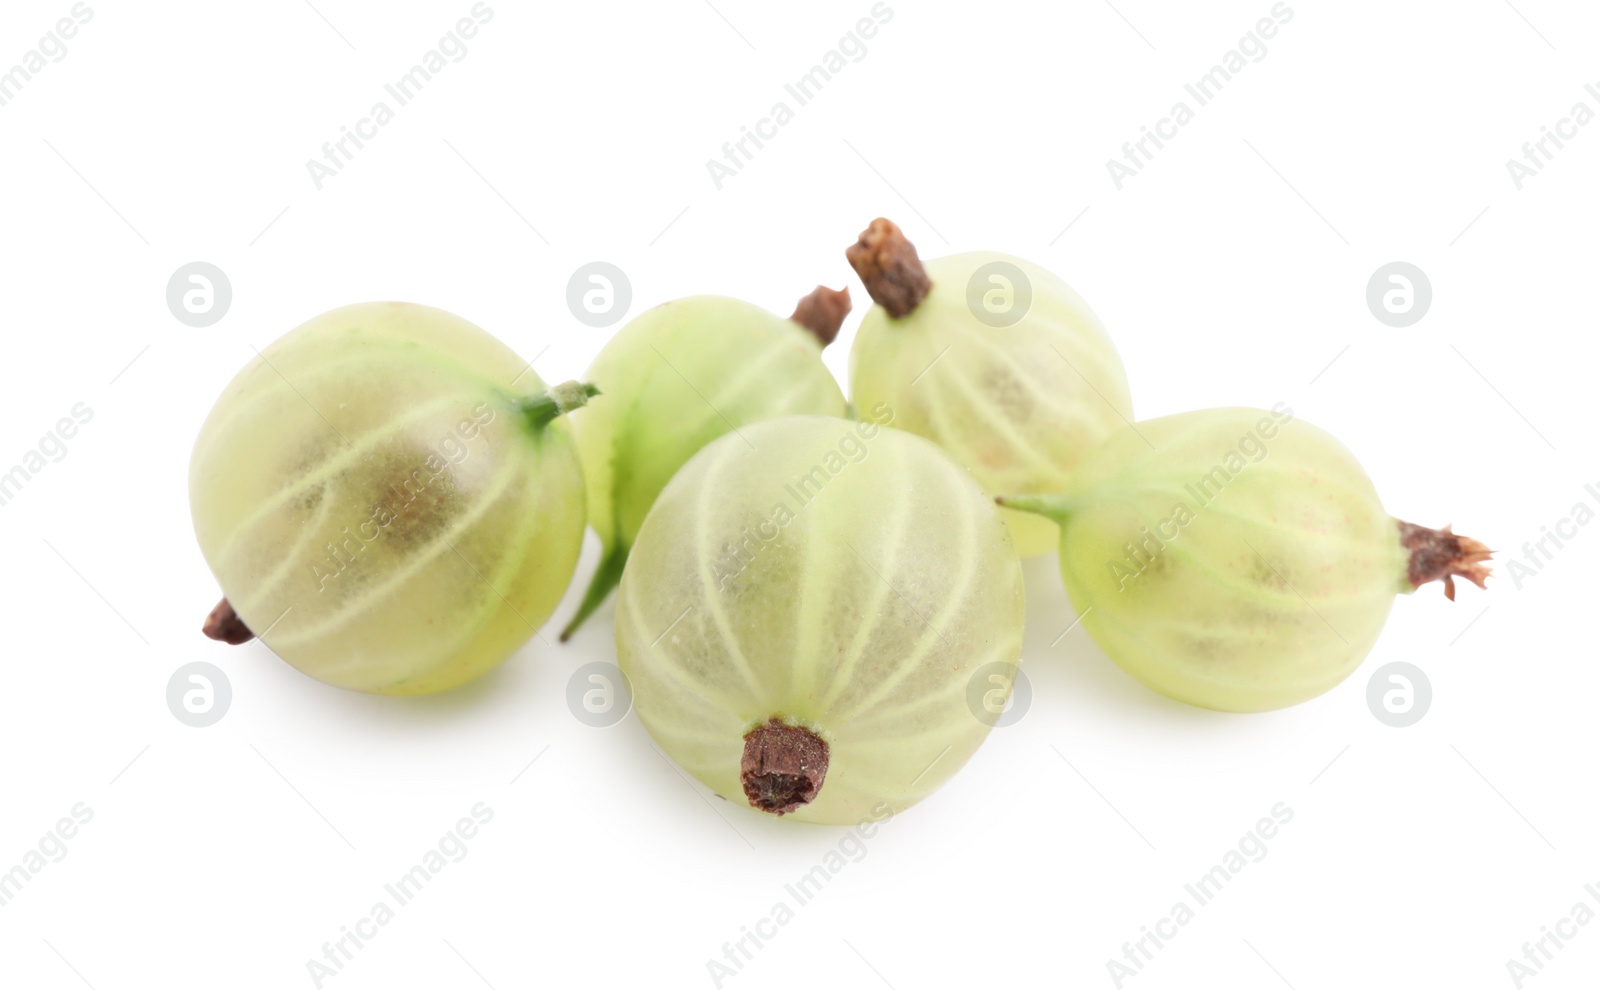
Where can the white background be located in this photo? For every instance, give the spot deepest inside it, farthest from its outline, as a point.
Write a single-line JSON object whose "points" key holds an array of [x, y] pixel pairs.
{"points": [[1232, 270]]}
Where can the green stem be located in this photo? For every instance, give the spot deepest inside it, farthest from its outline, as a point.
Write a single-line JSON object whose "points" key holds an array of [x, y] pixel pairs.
{"points": [[1053, 507], [557, 400], [606, 577]]}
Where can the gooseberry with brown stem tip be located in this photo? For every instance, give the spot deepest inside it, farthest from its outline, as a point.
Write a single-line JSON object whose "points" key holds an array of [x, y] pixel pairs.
{"points": [[1238, 559], [389, 496]]}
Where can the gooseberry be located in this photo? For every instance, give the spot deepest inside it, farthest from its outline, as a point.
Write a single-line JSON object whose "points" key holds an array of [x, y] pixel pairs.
{"points": [[1238, 559], [677, 377], [805, 610], [387, 496], [991, 357]]}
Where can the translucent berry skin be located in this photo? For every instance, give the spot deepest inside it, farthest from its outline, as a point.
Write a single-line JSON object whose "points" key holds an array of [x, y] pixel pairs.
{"points": [[376, 502], [1018, 405], [1270, 594], [672, 380], [858, 609]]}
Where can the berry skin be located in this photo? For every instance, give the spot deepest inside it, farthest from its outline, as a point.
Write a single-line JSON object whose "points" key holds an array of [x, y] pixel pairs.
{"points": [[806, 609], [676, 378], [388, 496], [994, 359], [1238, 559]]}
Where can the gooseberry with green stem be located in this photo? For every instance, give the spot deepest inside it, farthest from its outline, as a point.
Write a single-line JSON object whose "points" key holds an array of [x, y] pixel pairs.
{"points": [[388, 496], [676, 378], [1238, 559]]}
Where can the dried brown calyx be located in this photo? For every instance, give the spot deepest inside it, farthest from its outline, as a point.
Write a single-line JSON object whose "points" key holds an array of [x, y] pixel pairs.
{"points": [[823, 312], [1438, 554], [783, 766], [889, 267], [224, 625]]}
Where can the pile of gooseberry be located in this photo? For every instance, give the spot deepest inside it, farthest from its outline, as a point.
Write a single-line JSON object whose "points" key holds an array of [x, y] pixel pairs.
{"points": [[808, 587]]}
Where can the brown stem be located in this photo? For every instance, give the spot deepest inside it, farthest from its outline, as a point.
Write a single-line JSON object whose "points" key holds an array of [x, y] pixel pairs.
{"points": [[783, 766], [889, 267], [1438, 554], [224, 625], [823, 312]]}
